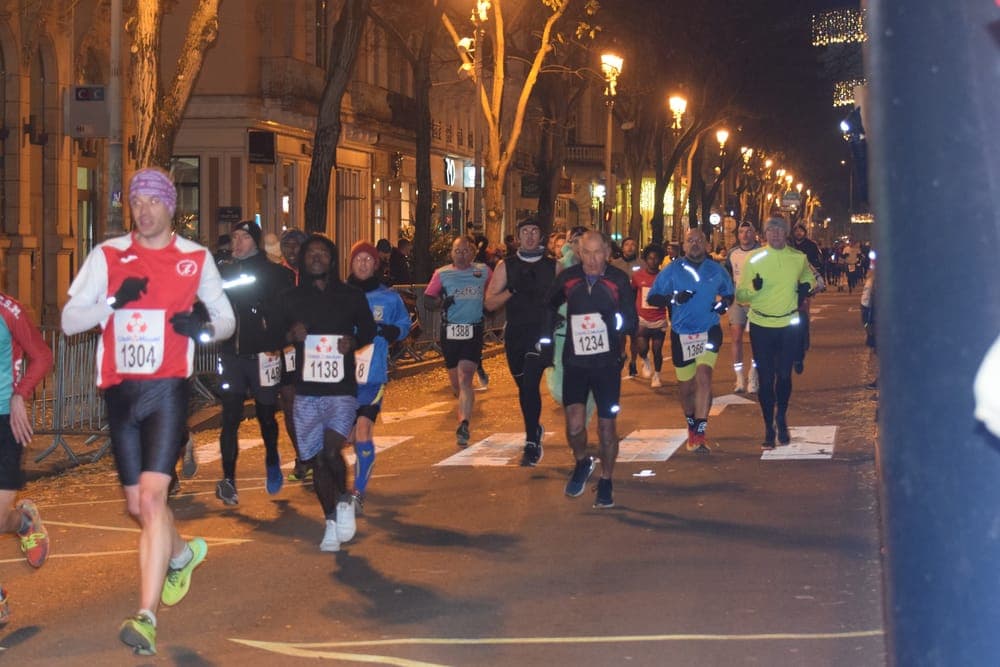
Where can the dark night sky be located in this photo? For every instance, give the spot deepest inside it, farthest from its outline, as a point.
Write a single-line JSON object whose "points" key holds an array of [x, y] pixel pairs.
{"points": [[786, 87]]}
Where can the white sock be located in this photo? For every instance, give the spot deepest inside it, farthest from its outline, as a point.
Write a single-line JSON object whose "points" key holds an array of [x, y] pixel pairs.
{"points": [[150, 614], [177, 562]]}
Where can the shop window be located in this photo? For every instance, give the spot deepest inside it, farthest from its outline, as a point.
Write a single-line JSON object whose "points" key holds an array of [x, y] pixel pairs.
{"points": [[186, 173]]}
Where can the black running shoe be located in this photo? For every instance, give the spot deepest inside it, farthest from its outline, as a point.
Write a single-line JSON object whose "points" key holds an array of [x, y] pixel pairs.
{"points": [[533, 450], [604, 499], [581, 473], [462, 433]]}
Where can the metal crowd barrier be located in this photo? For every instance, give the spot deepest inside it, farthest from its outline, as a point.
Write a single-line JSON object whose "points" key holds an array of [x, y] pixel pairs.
{"points": [[67, 401]]}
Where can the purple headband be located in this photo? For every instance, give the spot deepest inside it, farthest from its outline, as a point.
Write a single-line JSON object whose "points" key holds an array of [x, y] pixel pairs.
{"points": [[153, 182]]}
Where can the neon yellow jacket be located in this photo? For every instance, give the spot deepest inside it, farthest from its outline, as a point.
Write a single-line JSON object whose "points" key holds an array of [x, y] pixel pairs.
{"points": [[777, 302]]}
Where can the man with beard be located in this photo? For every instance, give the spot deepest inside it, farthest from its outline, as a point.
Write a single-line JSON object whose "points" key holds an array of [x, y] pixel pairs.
{"points": [[327, 321], [519, 284], [697, 290]]}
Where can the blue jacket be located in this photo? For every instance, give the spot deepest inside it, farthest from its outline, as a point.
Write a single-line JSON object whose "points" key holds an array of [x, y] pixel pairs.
{"points": [[707, 281], [387, 308]]}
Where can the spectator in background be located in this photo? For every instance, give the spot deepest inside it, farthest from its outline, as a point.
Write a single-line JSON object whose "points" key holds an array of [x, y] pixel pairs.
{"points": [[223, 250], [384, 249], [399, 263]]}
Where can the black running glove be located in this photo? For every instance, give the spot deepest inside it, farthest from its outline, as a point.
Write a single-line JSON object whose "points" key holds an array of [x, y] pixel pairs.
{"points": [[758, 282], [683, 296], [388, 331], [804, 290], [130, 290], [195, 324]]}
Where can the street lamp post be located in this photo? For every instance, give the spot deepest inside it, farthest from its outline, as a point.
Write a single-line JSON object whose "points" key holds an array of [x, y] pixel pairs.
{"points": [[722, 136], [479, 16], [678, 105], [611, 67]]}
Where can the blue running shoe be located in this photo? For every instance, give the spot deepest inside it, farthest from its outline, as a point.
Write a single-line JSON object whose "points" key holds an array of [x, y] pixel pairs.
{"points": [[363, 464], [275, 479], [581, 473], [605, 499]]}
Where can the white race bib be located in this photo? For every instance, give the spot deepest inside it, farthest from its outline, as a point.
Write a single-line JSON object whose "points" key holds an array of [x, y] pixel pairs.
{"points": [[322, 361], [693, 345], [645, 297], [269, 364], [459, 331], [589, 333], [363, 362], [290, 358], [139, 337]]}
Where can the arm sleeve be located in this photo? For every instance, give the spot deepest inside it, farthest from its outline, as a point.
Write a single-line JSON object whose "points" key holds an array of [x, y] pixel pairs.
{"points": [[630, 317], [88, 296], [807, 275], [744, 291], [400, 317], [211, 294], [553, 299], [364, 329], [433, 288], [29, 338]]}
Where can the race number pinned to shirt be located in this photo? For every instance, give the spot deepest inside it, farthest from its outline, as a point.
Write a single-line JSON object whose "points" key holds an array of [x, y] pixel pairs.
{"points": [[322, 361], [459, 331], [139, 337], [289, 358], [363, 362], [590, 334], [269, 364], [693, 345], [644, 291]]}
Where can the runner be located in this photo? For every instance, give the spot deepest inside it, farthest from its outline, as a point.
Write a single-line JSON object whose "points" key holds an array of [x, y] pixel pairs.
{"points": [[698, 291], [652, 327], [773, 279], [458, 290], [291, 243], [735, 260], [392, 323], [19, 338], [251, 361], [600, 313], [141, 289], [326, 320], [519, 284]]}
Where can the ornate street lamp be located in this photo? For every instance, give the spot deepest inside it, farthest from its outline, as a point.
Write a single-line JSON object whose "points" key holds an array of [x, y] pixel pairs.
{"points": [[678, 105], [611, 67]]}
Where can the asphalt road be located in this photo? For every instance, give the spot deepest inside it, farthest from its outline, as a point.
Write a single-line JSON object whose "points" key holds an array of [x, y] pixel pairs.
{"points": [[725, 559]]}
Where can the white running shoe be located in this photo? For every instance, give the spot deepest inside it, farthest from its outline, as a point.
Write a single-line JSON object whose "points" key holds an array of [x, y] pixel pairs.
{"points": [[346, 525], [655, 382], [330, 541], [752, 383], [647, 370]]}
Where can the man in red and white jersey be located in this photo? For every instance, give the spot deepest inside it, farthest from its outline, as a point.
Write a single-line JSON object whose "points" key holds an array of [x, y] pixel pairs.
{"points": [[652, 328], [153, 294]]}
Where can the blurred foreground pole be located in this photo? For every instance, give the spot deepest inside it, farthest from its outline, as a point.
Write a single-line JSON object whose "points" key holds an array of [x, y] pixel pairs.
{"points": [[933, 119]]}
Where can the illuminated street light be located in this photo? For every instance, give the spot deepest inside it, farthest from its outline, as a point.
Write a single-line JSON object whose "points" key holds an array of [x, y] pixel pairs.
{"points": [[798, 187], [678, 105], [788, 180], [611, 67], [722, 136]]}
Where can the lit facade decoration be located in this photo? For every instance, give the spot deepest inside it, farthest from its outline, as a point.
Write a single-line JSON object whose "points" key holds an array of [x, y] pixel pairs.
{"points": [[843, 92], [839, 26], [862, 219]]}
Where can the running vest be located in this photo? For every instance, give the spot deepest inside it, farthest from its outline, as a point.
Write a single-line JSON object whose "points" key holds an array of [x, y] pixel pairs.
{"points": [[532, 281]]}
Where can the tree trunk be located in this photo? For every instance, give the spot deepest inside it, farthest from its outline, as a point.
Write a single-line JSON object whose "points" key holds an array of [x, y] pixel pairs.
{"points": [[422, 265], [157, 116], [347, 33]]}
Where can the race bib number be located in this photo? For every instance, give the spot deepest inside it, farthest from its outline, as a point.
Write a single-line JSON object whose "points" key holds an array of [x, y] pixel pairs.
{"points": [[693, 345], [458, 331], [269, 364], [363, 363], [322, 361], [590, 334], [139, 336], [290, 358]]}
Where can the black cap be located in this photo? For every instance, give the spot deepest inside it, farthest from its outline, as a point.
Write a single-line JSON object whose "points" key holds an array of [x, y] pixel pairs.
{"points": [[528, 222]]}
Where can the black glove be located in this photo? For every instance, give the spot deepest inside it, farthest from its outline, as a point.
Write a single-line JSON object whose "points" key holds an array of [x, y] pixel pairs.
{"points": [[194, 324], [447, 301], [129, 291], [388, 331], [720, 307], [657, 300], [683, 297], [544, 352], [804, 290], [758, 282]]}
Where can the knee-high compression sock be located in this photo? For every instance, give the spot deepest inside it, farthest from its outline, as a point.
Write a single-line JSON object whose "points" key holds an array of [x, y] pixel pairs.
{"points": [[365, 453], [232, 414], [269, 433]]}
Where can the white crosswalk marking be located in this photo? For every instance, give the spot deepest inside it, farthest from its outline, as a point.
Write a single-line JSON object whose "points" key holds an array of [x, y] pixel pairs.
{"points": [[808, 442], [438, 408], [499, 449], [719, 404], [382, 443], [651, 444]]}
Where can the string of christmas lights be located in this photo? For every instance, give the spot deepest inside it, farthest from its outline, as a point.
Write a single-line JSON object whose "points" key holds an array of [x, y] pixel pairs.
{"points": [[843, 92], [839, 26]]}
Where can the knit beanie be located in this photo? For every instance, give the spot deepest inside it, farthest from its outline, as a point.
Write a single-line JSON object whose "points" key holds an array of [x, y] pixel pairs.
{"points": [[250, 227]]}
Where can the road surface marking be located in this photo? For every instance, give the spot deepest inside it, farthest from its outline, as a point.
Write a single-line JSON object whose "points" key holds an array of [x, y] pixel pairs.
{"points": [[382, 443], [210, 451], [322, 649], [438, 408], [722, 402], [808, 442], [652, 444], [498, 449]]}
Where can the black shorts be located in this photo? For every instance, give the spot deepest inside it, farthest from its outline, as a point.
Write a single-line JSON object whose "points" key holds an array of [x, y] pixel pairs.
{"points": [[241, 374], [11, 475], [148, 424], [714, 340], [604, 381], [470, 349]]}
